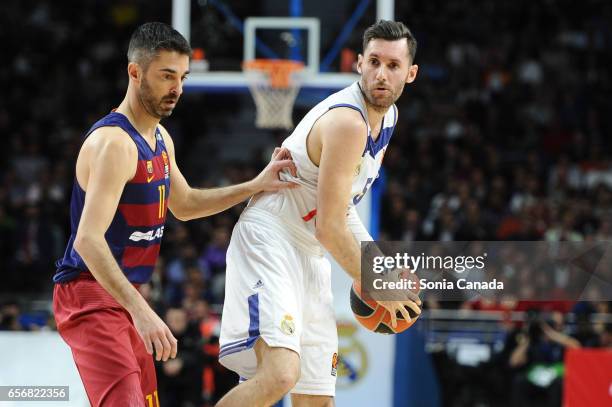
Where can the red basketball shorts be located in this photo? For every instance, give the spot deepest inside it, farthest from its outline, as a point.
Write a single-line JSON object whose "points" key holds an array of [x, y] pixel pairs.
{"points": [[109, 354]]}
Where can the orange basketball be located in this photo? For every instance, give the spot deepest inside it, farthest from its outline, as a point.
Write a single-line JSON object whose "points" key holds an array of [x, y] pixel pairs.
{"points": [[375, 317]]}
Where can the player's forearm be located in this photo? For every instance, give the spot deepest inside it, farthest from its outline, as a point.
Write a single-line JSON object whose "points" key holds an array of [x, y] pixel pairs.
{"points": [[340, 243], [207, 202], [102, 265], [343, 242]]}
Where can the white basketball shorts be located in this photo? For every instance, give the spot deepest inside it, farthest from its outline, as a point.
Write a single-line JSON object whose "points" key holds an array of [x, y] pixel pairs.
{"points": [[282, 294]]}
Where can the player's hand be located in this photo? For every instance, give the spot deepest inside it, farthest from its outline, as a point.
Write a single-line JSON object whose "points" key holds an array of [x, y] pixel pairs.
{"points": [[156, 335], [399, 307], [398, 300], [268, 180], [281, 153]]}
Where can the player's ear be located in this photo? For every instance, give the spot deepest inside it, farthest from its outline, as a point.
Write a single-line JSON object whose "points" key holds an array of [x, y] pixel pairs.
{"points": [[134, 71], [359, 62], [412, 73]]}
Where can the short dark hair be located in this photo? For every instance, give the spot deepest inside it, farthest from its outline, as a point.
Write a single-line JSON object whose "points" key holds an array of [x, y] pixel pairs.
{"points": [[390, 31], [150, 38]]}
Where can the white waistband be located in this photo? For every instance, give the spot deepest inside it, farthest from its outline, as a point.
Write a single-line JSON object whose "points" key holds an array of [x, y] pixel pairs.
{"points": [[300, 238]]}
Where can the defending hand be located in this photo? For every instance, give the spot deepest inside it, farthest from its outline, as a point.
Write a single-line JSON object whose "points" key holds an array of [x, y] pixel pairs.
{"points": [[268, 180]]}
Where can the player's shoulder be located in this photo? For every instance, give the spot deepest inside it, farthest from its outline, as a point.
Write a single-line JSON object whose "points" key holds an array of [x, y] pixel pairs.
{"points": [[110, 140], [343, 120]]}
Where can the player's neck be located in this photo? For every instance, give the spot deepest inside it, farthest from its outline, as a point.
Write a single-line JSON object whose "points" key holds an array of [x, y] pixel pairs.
{"points": [[375, 118], [133, 109], [375, 115]]}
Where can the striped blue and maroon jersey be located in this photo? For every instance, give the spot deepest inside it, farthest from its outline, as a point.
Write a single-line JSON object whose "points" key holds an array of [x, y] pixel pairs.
{"points": [[136, 230]]}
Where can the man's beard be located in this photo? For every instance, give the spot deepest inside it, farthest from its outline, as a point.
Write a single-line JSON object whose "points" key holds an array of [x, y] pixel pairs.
{"points": [[380, 105], [151, 105]]}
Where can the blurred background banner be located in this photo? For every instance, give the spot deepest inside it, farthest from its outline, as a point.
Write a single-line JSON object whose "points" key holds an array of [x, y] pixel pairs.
{"points": [[588, 378], [39, 359]]}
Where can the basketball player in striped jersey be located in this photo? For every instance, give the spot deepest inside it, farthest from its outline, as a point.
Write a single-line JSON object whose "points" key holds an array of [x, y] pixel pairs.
{"points": [[125, 173], [278, 327]]}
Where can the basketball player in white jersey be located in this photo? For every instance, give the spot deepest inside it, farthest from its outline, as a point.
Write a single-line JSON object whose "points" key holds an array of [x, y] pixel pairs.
{"points": [[278, 328]]}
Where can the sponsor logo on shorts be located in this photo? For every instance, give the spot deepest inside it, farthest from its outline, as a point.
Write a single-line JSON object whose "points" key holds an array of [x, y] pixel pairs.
{"points": [[287, 325], [334, 369], [353, 365]]}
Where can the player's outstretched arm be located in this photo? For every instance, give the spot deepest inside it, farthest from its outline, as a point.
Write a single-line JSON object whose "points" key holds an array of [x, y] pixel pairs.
{"points": [[190, 203], [107, 161]]}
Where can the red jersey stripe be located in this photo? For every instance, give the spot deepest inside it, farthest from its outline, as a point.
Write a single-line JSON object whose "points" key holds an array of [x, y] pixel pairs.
{"points": [[143, 215], [140, 256]]}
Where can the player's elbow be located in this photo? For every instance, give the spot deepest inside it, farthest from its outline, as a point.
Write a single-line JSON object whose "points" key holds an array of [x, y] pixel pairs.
{"points": [[83, 244], [181, 207], [181, 215]]}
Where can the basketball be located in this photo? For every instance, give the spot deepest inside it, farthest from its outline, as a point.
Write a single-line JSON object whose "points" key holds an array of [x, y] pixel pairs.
{"points": [[374, 316]]}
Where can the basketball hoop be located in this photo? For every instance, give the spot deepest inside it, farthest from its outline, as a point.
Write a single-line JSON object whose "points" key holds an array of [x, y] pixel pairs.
{"points": [[274, 84]]}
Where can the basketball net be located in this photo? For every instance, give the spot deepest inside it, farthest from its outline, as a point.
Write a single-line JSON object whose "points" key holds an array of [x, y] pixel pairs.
{"points": [[274, 84]]}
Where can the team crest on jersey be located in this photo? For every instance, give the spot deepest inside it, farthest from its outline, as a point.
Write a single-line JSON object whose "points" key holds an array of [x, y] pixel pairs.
{"points": [[287, 325], [150, 167]]}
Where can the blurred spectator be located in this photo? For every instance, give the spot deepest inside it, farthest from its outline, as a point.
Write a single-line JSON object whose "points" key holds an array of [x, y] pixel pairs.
{"points": [[535, 356], [213, 260], [38, 248], [585, 332], [9, 317], [176, 273], [180, 379], [213, 257], [217, 380], [606, 336]]}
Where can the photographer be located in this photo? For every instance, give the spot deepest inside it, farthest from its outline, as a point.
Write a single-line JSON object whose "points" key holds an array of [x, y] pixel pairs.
{"points": [[535, 357]]}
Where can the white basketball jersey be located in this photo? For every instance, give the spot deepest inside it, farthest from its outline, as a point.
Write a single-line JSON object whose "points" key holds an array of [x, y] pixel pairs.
{"points": [[297, 207]]}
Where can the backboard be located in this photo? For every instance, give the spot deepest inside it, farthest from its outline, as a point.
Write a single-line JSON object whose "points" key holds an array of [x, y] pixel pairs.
{"points": [[285, 37]]}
